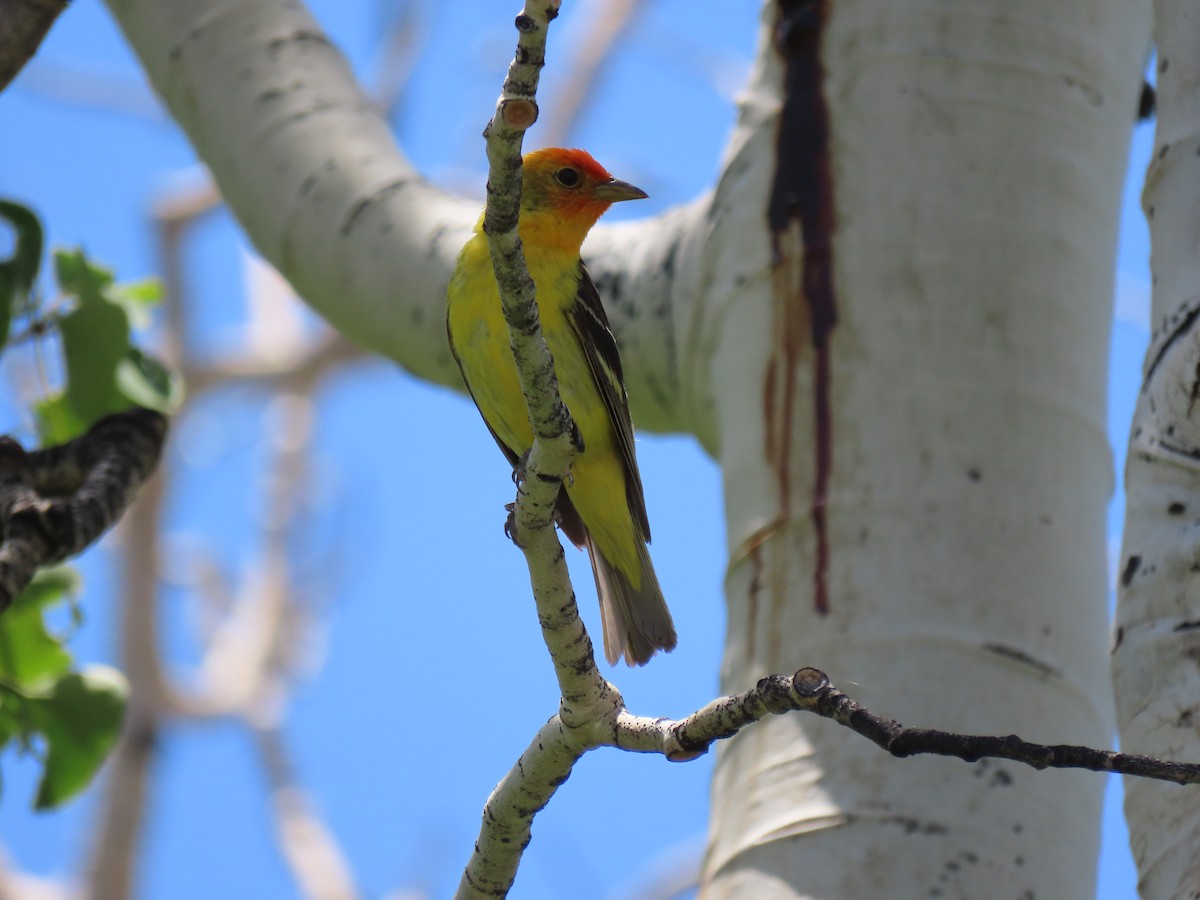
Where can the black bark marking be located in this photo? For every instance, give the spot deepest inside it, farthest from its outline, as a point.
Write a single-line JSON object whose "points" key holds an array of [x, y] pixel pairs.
{"points": [[1131, 567], [359, 208], [1020, 656]]}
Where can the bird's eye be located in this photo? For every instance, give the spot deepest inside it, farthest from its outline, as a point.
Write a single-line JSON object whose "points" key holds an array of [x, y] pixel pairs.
{"points": [[568, 177]]}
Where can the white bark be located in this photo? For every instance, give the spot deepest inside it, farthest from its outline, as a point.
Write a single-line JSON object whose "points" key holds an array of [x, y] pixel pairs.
{"points": [[977, 154], [1158, 614], [978, 151]]}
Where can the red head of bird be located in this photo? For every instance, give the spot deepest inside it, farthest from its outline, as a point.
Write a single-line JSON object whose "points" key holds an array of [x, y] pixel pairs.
{"points": [[563, 193]]}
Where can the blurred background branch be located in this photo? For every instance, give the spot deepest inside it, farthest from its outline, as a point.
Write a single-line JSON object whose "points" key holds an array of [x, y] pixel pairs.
{"points": [[26, 23]]}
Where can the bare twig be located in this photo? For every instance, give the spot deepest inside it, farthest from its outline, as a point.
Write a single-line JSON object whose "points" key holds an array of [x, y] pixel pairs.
{"points": [[556, 441], [113, 856], [26, 23], [54, 502], [312, 853], [247, 665], [266, 662], [399, 59], [315, 360], [809, 690], [548, 761], [607, 21], [587, 698]]}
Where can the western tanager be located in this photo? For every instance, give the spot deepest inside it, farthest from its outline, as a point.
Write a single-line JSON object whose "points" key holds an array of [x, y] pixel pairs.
{"points": [[601, 505]]}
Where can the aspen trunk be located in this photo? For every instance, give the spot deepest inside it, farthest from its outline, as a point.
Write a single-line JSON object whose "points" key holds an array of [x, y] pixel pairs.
{"points": [[1157, 638], [916, 498]]}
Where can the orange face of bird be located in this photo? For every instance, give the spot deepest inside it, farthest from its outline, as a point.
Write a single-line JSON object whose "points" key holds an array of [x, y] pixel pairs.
{"points": [[571, 188]]}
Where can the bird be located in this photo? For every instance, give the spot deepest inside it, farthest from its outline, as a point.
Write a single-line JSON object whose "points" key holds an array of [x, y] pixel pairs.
{"points": [[601, 505]]}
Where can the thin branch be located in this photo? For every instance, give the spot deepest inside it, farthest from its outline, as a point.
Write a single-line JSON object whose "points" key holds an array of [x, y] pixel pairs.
{"points": [[585, 693], [528, 787], [608, 21], [121, 819], [399, 60], [312, 854], [26, 23], [810, 690], [248, 662], [313, 361], [56, 501], [587, 698], [509, 811], [8, 878]]}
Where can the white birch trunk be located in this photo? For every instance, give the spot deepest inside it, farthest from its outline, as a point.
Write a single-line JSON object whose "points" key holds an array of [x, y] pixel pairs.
{"points": [[1157, 640], [977, 152]]}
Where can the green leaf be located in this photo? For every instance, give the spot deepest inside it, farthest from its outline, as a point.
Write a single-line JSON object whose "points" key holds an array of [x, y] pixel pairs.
{"points": [[137, 298], [105, 373], [49, 586], [81, 720], [95, 338], [10, 720], [18, 273], [29, 654], [57, 421], [147, 382], [78, 275]]}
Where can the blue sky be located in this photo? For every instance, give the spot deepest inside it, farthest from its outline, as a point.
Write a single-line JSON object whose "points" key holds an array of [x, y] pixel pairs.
{"points": [[89, 148]]}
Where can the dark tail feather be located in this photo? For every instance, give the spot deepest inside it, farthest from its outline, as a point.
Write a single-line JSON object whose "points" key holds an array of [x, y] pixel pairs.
{"points": [[636, 622]]}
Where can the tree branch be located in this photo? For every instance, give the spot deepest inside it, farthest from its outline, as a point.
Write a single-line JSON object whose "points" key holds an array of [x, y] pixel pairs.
{"points": [[54, 502], [608, 21], [588, 702], [528, 787], [26, 23], [311, 851], [809, 690], [556, 440], [509, 811]]}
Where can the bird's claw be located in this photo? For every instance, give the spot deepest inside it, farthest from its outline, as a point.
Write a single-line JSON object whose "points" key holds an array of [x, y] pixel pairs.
{"points": [[510, 523], [518, 472]]}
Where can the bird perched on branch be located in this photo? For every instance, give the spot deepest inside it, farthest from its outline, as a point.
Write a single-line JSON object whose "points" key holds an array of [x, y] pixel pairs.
{"points": [[601, 506]]}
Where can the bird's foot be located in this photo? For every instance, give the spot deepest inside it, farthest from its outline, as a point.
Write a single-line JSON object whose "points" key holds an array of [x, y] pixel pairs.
{"points": [[518, 472], [510, 523]]}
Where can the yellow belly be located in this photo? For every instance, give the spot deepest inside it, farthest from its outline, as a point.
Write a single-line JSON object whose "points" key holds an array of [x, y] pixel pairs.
{"points": [[480, 339]]}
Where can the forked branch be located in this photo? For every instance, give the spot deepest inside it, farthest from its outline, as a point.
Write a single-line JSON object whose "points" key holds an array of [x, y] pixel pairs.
{"points": [[548, 761]]}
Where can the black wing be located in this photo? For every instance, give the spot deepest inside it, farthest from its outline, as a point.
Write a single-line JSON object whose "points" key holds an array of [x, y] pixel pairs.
{"points": [[590, 322]]}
